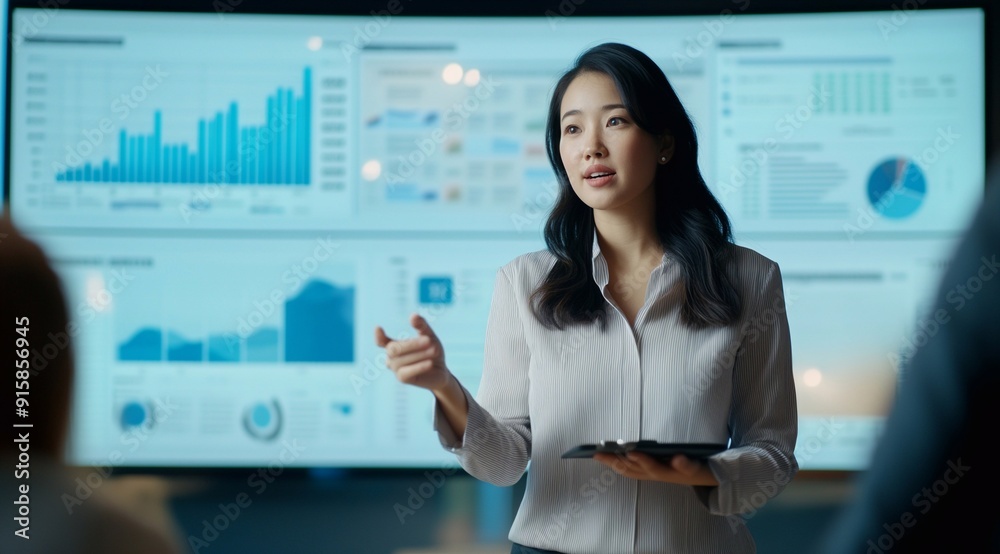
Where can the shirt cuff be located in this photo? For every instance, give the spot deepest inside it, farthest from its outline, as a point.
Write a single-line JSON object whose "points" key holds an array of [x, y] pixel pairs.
{"points": [[449, 439], [726, 472]]}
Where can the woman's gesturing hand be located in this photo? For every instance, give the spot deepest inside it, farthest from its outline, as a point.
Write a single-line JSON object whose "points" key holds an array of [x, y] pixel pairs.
{"points": [[418, 361]]}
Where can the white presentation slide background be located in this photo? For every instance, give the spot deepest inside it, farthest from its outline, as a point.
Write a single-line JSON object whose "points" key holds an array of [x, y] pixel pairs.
{"points": [[842, 263]]}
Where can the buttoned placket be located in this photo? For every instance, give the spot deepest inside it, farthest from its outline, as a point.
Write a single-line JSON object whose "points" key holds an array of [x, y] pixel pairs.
{"points": [[631, 375]]}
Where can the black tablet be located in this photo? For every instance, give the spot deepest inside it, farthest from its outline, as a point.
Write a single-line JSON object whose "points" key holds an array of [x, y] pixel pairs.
{"points": [[658, 450]]}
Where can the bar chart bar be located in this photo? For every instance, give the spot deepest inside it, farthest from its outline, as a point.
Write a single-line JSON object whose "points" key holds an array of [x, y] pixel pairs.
{"points": [[275, 153]]}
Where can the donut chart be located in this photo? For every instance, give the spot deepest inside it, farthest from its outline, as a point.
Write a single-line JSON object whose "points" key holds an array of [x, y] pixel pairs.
{"points": [[262, 420]]}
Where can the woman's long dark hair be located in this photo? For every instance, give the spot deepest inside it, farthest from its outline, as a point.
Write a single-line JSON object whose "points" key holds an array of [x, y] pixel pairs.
{"points": [[690, 222]]}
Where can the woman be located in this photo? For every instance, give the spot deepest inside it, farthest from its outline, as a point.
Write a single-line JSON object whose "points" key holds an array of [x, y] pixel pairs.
{"points": [[641, 320]]}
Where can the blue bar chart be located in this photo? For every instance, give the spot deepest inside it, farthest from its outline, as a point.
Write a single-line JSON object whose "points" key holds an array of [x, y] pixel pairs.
{"points": [[226, 151], [318, 327]]}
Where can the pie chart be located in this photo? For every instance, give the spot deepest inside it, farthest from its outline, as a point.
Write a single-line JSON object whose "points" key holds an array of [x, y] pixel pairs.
{"points": [[135, 414], [896, 188]]}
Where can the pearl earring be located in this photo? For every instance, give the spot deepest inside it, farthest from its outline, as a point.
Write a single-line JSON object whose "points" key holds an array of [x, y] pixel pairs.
{"points": [[663, 159]]}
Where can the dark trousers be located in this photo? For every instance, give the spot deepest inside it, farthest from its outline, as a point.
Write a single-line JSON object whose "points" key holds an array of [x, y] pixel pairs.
{"points": [[521, 549]]}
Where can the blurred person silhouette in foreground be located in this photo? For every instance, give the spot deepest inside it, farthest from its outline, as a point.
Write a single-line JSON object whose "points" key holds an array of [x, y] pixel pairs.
{"points": [[930, 484], [47, 508]]}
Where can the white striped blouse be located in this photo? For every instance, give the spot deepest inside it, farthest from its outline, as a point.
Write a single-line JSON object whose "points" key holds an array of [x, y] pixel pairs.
{"points": [[544, 391]]}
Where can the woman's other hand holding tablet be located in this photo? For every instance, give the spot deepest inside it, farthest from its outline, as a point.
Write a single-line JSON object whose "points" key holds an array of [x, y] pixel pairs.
{"points": [[681, 469]]}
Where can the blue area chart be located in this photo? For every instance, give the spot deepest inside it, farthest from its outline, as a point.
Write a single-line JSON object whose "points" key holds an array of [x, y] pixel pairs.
{"points": [[318, 327], [319, 324], [897, 188]]}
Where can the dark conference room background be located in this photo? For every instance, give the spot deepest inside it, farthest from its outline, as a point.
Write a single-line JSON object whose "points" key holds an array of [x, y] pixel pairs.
{"points": [[225, 296]]}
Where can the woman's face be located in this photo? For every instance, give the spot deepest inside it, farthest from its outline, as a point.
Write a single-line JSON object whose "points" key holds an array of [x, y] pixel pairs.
{"points": [[610, 161]]}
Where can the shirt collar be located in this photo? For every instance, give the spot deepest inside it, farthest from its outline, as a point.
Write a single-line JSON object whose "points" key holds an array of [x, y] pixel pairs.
{"points": [[600, 265]]}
